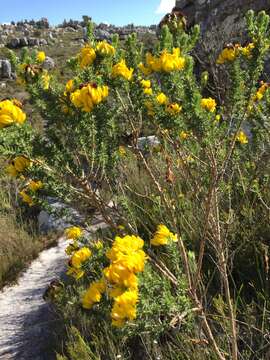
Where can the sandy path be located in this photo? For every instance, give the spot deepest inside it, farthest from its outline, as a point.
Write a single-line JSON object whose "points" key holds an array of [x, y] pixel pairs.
{"points": [[26, 321], [25, 318]]}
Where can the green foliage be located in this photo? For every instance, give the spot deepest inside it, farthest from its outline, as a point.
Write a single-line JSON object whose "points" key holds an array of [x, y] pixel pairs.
{"points": [[77, 348]]}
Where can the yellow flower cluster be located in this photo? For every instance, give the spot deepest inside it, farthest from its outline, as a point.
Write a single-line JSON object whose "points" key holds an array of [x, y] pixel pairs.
{"points": [[26, 198], [69, 87], [10, 113], [126, 260], [231, 52], [173, 108], [242, 137], [89, 96], [73, 232], [124, 307], [93, 294], [165, 62], [77, 259], [227, 54], [121, 70], [105, 49], [45, 80], [122, 151], [33, 186], [247, 50], [163, 236], [41, 56], [18, 165], [162, 99], [146, 84], [260, 93], [87, 56], [183, 135], [209, 104]]}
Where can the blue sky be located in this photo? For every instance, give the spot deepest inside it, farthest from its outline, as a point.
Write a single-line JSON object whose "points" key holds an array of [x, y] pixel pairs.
{"points": [[118, 12]]}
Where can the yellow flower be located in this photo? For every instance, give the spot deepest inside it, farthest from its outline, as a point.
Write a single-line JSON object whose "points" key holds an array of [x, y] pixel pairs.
{"points": [[11, 170], [227, 54], [41, 56], [76, 273], [93, 294], [116, 291], [153, 62], [122, 151], [120, 275], [162, 98], [121, 69], [71, 248], [146, 84], [80, 256], [183, 135], [173, 108], [124, 308], [89, 96], [26, 198], [172, 62], [87, 56], [218, 117], [105, 49], [247, 50], [21, 163], [69, 87], [242, 137], [163, 236], [10, 114], [209, 104], [45, 80], [148, 91], [73, 232], [145, 70], [35, 185], [128, 254], [260, 93], [166, 62]]}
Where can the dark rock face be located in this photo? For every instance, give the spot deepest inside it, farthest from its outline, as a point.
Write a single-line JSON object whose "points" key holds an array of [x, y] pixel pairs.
{"points": [[5, 69], [221, 21], [15, 43]]}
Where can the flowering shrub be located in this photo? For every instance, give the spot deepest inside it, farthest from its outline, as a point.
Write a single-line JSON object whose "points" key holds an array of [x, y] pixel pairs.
{"points": [[198, 197]]}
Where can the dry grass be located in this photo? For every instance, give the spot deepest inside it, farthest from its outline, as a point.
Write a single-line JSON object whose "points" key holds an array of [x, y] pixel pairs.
{"points": [[19, 243]]}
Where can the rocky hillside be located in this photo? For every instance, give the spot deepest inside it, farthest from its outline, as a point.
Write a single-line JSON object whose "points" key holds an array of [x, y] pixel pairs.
{"points": [[221, 21]]}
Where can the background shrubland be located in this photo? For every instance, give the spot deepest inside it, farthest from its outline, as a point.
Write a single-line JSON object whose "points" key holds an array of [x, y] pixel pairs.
{"points": [[181, 271]]}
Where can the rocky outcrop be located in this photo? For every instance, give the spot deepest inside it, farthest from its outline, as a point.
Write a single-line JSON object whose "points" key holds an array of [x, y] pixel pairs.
{"points": [[16, 43], [48, 64], [221, 21], [5, 69]]}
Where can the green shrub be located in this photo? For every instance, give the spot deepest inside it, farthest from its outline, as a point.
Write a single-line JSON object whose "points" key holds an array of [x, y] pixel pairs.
{"points": [[199, 199]]}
